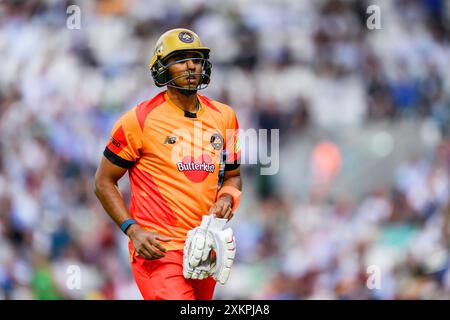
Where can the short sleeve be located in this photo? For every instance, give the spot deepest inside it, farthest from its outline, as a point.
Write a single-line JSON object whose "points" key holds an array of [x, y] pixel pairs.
{"points": [[233, 146], [125, 144]]}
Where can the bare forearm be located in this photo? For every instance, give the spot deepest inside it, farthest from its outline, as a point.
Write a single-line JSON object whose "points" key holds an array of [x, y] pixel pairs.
{"points": [[112, 201], [235, 182], [223, 207], [147, 244]]}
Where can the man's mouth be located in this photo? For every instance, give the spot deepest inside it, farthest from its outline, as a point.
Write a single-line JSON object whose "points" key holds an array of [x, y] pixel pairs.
{"points": [[191, 79]]}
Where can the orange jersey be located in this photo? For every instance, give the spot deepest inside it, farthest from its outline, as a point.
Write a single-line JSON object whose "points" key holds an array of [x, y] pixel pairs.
{"points": [[174, 160]]}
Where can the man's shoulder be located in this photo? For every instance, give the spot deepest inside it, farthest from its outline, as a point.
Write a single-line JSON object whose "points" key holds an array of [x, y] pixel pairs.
{"points": [[216, 105], [150, 104], [138, 114], [142, 105], [143, 109]]}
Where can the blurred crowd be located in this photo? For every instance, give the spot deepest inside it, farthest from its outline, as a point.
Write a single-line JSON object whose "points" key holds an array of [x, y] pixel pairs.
{"points": [[297, 66]]}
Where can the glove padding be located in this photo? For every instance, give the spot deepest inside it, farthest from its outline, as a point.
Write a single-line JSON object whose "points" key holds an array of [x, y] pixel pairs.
{"points": [[225, 249], [209, 250], [197, 249]]}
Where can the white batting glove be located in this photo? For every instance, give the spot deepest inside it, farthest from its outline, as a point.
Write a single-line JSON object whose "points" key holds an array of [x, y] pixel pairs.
{"points": [[198, 260], [197, 249], [225, 249]]}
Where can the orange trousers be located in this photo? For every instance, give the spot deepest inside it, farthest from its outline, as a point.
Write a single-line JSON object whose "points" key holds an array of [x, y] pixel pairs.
{"points": [[162, 279]]}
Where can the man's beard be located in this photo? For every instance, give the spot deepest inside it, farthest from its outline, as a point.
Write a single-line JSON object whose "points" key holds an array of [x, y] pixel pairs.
{"points": [[187, 92], [190, 90]]}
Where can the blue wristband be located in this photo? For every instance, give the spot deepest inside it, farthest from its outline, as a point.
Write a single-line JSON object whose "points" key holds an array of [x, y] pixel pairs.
{"points": [[124, 226]]}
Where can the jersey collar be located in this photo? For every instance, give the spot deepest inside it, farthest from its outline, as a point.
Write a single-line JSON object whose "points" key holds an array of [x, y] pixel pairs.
{"points": [[183, 113]]}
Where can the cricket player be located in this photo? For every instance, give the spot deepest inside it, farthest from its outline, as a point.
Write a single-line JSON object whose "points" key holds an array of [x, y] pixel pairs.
{"points": [[182, 153]]}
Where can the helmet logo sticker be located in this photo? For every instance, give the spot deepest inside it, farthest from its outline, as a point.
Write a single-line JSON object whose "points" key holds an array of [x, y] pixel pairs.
{"points": [[185, 37], [159, 49]]}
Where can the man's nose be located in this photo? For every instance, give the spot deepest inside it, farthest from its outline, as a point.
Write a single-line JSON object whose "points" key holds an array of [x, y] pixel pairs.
{"points": [[190, 65]]}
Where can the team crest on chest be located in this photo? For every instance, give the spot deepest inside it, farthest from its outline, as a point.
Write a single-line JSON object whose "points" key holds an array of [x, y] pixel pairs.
{"points": [[170, 140], [216, 141]]}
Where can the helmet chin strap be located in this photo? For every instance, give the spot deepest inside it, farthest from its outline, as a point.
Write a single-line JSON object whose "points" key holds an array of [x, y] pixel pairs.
{"points": [[185, 91]]}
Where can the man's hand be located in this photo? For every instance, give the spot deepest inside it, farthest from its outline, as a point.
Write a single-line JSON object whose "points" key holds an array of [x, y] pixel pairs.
{"points": [[146, 243], [222, 207]]}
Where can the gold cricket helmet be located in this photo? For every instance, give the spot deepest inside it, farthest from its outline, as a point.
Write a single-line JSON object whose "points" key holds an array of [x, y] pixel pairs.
{"points": [[172, 42]]}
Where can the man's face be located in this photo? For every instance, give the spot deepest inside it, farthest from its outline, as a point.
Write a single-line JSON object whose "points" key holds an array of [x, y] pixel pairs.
{"points": [[187, 74]]}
